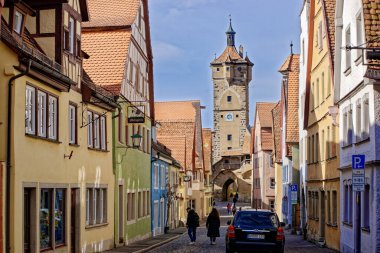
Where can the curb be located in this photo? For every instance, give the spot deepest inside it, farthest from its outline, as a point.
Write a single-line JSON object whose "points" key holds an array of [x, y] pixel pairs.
{"points": [[158, 244]]}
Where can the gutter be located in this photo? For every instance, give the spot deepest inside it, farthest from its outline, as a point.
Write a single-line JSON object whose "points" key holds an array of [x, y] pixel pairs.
{"points": [[8, 166]]}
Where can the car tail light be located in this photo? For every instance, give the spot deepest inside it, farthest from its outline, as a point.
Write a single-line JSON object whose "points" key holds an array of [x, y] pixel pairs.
{"points": [[231, 231], [280, 234]]}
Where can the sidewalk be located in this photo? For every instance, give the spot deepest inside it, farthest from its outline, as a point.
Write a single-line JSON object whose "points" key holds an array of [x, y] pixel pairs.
{"points": [[151, 243]]}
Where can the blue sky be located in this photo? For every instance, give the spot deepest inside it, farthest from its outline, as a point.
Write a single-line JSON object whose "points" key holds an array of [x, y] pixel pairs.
{"points": [[187, 33]]}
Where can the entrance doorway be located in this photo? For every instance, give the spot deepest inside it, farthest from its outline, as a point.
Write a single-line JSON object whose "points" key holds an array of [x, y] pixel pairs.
{"points": [[229, 188], [322, 220], [74, 222], [27, 220], [162, 216], [121, 214]]}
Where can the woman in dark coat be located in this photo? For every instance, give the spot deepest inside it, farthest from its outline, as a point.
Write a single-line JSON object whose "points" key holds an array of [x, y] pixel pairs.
{"points": [[213, 225]]}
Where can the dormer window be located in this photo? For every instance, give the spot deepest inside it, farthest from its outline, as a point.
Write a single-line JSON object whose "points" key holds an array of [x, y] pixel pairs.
{"points": [[17, 22], [71, 34], [70, 37]]}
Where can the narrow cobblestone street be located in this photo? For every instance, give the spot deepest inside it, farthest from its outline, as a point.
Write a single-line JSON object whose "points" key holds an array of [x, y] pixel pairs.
{"points": [[293, 243]]}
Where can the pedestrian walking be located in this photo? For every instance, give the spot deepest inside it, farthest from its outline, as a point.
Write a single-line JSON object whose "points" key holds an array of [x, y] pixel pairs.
{"points": [[192, 223], [234, 210], [228, 208], [213, 225]]}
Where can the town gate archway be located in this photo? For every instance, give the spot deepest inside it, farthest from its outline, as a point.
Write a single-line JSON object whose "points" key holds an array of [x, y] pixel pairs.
{"points": [[225, 183]]}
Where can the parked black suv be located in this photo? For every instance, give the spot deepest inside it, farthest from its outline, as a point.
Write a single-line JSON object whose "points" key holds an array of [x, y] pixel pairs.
{"points": [[255, 230]]}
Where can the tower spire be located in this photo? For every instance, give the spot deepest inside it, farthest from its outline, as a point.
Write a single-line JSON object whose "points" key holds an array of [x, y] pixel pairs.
{"points": [[230, 35], [291, 47]]}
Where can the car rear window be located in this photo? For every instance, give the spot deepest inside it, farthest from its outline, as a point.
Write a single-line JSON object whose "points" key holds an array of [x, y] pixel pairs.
{"points": [[255, 219]]}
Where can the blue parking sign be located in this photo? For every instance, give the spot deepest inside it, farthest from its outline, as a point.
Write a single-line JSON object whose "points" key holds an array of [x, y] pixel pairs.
{"points": [[358, 161], [293, 188]]}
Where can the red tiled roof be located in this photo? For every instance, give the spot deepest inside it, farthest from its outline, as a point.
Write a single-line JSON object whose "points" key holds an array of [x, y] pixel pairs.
{"points": [[292, 101], [177, 145], [182, 118], [291, 97], [114, 89], [329, 9], [112, 12], [285, 66], [177, 111], [228, 55], [232, 152], [266, 138], [371, 13], [264, 113], [108, 52], [277, 131], [207, 148]]}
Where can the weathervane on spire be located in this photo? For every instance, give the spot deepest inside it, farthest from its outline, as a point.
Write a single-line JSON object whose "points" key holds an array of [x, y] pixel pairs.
{"points": [[230, 34], [291, 47]]}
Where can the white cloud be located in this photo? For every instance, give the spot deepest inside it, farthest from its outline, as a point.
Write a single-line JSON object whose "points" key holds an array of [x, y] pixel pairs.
{"points": [[166, 52]]}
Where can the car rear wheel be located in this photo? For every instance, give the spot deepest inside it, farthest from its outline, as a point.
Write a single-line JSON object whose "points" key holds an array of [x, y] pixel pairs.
{"points": [[228, 250], [280, 250]]}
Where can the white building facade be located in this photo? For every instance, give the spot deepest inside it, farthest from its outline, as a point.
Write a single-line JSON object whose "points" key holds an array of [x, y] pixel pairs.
{"points": [[304, 17], [358, 98]]}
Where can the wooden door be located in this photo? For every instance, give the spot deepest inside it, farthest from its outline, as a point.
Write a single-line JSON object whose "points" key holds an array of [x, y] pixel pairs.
{"points": [[27, 220], [74, 221]]}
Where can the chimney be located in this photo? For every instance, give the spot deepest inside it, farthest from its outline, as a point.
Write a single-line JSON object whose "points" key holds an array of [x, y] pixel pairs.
{"points": [[241, 50]]}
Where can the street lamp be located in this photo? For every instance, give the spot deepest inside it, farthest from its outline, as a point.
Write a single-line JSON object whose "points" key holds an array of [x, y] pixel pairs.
{"points": [[136, 140], [333, 112]]}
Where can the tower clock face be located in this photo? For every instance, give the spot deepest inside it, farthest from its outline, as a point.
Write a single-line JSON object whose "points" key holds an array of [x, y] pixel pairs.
{"points": [[229, 117]]}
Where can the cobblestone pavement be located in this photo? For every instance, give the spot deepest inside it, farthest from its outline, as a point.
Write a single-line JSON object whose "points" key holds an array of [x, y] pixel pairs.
{"points": [[294, 244]]}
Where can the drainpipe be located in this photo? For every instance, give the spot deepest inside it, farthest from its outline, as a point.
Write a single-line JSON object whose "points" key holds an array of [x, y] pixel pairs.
{"points": [[8, 178]]}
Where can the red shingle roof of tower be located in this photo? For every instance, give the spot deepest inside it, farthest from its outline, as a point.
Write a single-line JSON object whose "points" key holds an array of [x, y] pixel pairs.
{"points": [[112, 12]]}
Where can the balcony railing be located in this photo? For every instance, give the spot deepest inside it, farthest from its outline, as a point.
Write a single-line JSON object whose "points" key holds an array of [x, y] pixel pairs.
{"points": [[230, 166]]}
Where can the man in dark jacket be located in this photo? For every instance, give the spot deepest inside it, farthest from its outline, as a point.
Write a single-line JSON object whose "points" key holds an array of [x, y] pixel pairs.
{"points": [[192, 223]]}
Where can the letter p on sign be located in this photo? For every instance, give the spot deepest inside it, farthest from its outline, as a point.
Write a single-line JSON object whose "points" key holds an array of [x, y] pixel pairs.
{"points": [[358, 161]]}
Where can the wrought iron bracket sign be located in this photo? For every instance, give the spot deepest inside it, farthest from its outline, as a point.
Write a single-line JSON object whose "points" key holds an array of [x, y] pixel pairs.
{"points": [[136, 114]]}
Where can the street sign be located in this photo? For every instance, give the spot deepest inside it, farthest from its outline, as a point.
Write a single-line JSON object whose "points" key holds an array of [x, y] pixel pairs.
{"points": [[358, 173], [358, 161], [136, 114], [294, 194]]}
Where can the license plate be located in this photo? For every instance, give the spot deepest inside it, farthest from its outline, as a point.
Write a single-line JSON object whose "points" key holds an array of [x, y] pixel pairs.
{"points": [[255, 236]]}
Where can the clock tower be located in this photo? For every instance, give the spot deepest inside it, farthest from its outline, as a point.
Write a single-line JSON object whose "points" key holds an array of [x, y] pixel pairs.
{"points": [[231, 75]]}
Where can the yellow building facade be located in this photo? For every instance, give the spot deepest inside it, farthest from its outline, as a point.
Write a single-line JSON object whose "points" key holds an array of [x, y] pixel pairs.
{"points": [[61, 182], [322, 132]]}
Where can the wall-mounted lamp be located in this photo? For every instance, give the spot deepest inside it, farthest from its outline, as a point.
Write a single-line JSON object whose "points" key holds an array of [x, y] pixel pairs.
{"points": [[333, 112], [136, 142], [68, 156]]}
